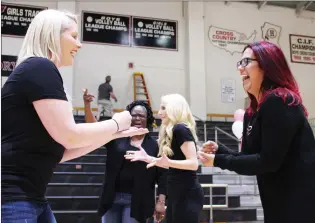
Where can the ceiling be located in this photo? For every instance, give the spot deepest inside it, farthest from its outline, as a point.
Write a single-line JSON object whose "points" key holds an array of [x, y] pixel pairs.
{"points": [[298, 6]]}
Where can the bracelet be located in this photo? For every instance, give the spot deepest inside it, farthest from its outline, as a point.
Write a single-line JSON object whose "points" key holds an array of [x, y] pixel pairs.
{"points": [[116, 124]]}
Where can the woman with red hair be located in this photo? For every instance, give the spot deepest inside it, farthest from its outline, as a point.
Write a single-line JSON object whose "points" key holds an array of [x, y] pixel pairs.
{"points": [[278, 143]]}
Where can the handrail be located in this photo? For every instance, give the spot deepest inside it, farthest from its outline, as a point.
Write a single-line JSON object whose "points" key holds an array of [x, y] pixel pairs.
{"points": [[198, 118], [204, 127], [211, 205], [226, 133], [76, 109], [214, 115], [220, 115]]}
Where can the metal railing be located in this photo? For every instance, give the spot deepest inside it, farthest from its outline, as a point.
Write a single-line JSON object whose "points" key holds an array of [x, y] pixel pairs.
{"points": [[217, 129], [204, 122], [211, 206]]}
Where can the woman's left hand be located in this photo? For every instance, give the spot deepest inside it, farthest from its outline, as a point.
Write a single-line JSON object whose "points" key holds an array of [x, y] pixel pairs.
{"points": [[159, 212], [132, 131], [206, 159], [163, 162]]}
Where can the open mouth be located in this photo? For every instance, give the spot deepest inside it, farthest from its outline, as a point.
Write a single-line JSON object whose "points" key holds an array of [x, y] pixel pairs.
{"points": [[73, 53], [245, 77], [137, 125]]}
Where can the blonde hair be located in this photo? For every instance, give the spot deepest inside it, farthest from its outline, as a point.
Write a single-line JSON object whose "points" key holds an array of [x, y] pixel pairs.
{"points": [[178, 111], [42, 38]]}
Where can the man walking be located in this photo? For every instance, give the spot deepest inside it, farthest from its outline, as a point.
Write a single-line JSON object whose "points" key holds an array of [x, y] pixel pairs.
{"points": [[105, 106]]}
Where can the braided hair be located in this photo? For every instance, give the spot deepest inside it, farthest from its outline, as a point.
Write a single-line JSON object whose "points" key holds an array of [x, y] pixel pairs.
{"points": [[150, 117]]}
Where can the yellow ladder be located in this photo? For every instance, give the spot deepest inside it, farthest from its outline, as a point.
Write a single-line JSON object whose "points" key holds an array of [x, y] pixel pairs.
{"points": [[139, 83]]}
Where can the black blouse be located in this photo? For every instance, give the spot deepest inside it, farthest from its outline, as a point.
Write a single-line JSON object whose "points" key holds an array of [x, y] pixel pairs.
{"points": [[143, 179], [279, 148]]}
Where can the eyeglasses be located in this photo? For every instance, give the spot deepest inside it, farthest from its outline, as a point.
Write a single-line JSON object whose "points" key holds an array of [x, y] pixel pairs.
{"points": [[244, 62], [135, 116]]}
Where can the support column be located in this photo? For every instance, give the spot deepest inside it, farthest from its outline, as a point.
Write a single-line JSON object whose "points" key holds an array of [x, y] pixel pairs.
{"points": [[67, 73], [195, 59]]}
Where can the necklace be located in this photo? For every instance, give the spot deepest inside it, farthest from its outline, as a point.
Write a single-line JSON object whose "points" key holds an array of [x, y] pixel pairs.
{"points": [[251, 124]]}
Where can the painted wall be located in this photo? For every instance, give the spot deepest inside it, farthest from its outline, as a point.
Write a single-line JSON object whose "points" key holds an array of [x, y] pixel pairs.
{"points": [[163, 70], [176, 71], [247, 19]]}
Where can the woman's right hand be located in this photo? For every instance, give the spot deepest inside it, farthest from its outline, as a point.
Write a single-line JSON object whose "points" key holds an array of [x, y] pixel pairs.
{"points": [[87, 98], [140, 155], [210, 147]]}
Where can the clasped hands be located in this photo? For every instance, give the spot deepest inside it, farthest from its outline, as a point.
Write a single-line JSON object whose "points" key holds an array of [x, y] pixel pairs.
{"points": [[207, 153]]}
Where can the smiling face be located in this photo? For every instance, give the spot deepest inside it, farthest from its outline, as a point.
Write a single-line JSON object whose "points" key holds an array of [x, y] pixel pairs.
{"points": [[252, 75], [69, 44], [163, 115], [139, 117]]}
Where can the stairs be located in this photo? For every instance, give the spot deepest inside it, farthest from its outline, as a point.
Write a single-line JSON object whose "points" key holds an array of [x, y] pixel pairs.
{"points": [[245, 187], [76, 185]]}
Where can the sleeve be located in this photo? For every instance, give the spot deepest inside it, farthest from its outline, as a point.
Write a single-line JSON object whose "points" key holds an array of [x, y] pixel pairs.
{"points": [[161, 180], [182, 134], [111, 144], [110, 88], [224, 150], [42, 80], [279, 123]]}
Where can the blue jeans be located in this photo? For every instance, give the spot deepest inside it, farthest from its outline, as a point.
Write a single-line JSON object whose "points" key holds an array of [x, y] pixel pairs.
{"points": [[120, 211], [26, 212]]}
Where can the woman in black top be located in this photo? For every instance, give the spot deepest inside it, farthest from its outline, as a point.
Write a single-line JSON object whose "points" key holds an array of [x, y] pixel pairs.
{"points": [[177, 142], [38, 128], [278, 143], [129, 188]]}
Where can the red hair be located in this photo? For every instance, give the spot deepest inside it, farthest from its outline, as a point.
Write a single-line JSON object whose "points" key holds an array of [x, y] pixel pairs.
{"points": [[278, 78]]}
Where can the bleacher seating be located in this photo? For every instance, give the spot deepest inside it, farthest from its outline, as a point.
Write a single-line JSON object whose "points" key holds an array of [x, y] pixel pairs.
{"points": [[76, 186]]}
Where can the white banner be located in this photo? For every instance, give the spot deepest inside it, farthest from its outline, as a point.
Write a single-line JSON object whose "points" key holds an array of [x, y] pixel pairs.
{"points": [[302, 49]]}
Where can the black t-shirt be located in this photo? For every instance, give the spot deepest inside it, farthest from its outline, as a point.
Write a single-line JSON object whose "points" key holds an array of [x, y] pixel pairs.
{"points": [[28, 152], [187, 178]]}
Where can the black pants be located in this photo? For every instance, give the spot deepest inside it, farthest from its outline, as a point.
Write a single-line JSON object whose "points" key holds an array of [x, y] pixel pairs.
{"points": [[184, 205]]}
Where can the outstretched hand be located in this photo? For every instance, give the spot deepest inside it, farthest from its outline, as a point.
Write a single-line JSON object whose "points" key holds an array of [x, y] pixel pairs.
{"points": [[163, 162], [140, 155], [132, 131], [206, 159], [210, 147]]}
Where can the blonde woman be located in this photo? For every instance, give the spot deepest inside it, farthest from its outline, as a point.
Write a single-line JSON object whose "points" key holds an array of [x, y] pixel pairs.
{"points": [[178, 153], [38, 128]]}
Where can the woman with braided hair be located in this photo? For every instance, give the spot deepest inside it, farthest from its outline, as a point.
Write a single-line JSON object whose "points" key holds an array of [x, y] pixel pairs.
{"points": [[128, 190]]}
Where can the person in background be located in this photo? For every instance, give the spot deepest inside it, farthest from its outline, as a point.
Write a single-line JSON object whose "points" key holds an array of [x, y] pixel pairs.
{"points": [[278, 144], [129, 187], [178, 153], [38, 128], [105, 106]]}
